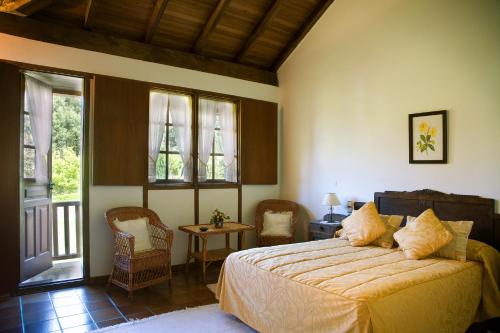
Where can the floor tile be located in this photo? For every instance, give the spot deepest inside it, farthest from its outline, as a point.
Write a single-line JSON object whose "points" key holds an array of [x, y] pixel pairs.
{"points": [[7, 302], [32, 317], [40, 297], [10, 311], [105, 314], [18, 329], [42, 326], [71, 310], [80, 329], [66, 301], [111, 322], [132, 308], [37, 306], [76, 320], [63, 293], [140, 315], [92, 306], [10, 322]]}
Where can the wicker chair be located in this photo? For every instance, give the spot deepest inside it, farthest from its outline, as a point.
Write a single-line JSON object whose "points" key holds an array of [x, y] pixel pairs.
{"points": [[131, 270], [275, 206]]}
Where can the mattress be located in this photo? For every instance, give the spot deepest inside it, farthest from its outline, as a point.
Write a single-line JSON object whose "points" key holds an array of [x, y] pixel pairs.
{"points": [[330, 286]]}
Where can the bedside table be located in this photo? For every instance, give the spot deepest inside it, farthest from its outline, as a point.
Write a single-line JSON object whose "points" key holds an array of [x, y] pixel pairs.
{"points": [[318, 230]]}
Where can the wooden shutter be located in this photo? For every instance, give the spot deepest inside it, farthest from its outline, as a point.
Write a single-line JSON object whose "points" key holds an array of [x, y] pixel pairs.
{"points": [[259, 142], [120, 145], [10, 128]]}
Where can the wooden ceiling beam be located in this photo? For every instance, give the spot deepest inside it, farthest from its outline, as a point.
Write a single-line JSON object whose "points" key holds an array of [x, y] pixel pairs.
{"points": [[155, 19], [92, 41], [90, 13], [297, 38], [23, 7], [210, 26], [259, 29]]}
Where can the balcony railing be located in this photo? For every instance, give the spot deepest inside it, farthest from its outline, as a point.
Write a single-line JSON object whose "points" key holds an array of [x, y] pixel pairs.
{"points": [[66, 230]]}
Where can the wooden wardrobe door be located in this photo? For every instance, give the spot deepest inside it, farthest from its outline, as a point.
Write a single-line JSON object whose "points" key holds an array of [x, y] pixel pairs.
{"points": [[259, 142], [120, 145]]}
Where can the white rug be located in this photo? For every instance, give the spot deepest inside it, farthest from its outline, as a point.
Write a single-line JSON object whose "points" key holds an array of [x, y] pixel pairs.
{"points": [[203, 319]]}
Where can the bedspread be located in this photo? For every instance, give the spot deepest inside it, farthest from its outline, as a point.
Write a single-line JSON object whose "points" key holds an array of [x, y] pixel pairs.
{"points": [[330, 286]]}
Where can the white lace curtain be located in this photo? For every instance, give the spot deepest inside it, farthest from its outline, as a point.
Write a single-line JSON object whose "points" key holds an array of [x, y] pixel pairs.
{"points": [[206, 126], [157, 119], [227, 116], [39, 99], [208, 110], [179, 107]]}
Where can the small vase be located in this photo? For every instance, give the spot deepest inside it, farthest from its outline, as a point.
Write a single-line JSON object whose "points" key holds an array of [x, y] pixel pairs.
{"points": [[219, 224]]}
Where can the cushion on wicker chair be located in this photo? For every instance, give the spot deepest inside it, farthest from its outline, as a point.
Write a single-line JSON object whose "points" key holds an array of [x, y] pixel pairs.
{"points": [[139, 229], [277, 224]]}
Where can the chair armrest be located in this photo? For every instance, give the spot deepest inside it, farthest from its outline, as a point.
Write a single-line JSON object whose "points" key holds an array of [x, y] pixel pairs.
{"points": [[124, 243], [161, 236]]}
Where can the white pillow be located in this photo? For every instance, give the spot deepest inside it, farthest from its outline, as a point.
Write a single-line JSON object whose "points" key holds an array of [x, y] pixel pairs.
{"points": [[277, 224], [139, 229]]}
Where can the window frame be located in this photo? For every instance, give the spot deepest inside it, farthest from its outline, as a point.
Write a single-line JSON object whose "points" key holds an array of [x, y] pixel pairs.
{"points": [[169, 126], [195, 95]]}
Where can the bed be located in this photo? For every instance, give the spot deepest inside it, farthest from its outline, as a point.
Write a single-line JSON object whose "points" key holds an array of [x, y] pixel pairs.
{"points": [[330, 286]]}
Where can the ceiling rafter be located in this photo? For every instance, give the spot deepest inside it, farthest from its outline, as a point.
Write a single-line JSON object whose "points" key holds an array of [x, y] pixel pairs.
{"points": [[23, 7], [90, 13], [259, 29], [299, 35], [155, 19], [210, 26], [94, 41]]}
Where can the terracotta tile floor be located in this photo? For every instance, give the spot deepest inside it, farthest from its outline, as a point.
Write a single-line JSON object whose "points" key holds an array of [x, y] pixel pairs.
{"points": [[86, 308]]}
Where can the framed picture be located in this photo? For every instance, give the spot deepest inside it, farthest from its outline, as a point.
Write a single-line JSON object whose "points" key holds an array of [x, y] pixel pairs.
{"points": [[428, 137]]}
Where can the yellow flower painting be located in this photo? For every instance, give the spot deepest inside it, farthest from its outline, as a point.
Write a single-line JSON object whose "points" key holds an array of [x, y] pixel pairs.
{"points": [[427, 138]]}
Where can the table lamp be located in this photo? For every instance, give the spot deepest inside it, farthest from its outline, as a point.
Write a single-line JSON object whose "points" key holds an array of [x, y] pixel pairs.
{"points": [[330, 199]]}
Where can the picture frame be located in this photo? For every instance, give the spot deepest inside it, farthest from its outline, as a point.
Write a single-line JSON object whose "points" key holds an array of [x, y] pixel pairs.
{"points": [[428, 137]]}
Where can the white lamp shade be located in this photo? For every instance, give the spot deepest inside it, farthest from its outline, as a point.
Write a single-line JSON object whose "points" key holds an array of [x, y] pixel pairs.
{"points": [[330, 199]]}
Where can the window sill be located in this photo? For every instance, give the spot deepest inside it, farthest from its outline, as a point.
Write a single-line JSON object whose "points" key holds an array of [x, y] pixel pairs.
{"points": [[169, 186], [217, 185]]}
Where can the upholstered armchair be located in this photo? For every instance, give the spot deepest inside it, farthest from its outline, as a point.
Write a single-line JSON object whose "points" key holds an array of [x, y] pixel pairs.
{"points": [[275, 206], [133, 269]]}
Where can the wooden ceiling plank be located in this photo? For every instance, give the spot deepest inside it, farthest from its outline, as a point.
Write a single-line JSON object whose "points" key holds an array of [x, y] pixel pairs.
{"points": [[297, 38], [259, 29], [155, 19], [90, 13], [210, 26], [24, 7], [92, 41]]}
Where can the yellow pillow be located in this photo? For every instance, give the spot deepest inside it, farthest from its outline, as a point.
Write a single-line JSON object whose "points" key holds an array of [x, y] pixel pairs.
{"points": [[457, 248], [364, 225], [392, 223], [423, 237]]}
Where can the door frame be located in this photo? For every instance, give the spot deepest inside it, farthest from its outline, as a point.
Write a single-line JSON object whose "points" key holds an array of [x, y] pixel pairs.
{"points": [[85, 176]]}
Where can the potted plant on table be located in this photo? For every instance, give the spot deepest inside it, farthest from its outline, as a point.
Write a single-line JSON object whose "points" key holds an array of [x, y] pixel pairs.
{"points": [[218, 218]]}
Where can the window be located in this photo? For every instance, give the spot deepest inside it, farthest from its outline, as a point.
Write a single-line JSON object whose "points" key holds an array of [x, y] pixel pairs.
{"points": [[28, 144], [217, 141], [170, 153]]}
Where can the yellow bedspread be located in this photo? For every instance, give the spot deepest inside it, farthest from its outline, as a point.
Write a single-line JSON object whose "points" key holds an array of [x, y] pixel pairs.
{"points": [[329, 286]]}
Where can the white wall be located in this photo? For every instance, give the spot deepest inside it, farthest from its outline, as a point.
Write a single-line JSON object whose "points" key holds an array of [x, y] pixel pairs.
{"points": [[348, 88], [173, 206]]}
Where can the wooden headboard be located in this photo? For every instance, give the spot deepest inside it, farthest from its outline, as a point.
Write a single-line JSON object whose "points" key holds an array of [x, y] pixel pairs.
{"points": [[451, 207]]}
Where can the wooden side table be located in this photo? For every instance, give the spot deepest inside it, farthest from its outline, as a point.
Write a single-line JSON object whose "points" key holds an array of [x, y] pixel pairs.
{"points": [[208, 256], [318, 230]]}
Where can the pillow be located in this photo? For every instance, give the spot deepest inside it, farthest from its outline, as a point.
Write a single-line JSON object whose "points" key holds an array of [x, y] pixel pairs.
{"points": [[277, 224], [392, 223], [364, 225], [139, 229], [423, 237], [457, 248]]}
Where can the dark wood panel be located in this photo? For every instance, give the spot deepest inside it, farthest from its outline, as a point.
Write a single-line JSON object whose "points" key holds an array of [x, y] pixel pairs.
{"points": [[259, 142], [52, 33], [120, 142], [10, 126]]}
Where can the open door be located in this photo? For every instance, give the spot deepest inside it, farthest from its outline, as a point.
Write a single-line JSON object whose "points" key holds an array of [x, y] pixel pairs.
{"points": [[36, 217]]}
